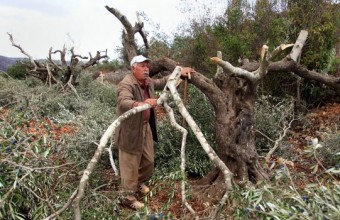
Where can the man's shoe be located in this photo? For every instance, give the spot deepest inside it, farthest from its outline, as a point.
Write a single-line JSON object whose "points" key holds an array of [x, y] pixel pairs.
{"points": [[144, 189], [131, 201], [137, 205]]}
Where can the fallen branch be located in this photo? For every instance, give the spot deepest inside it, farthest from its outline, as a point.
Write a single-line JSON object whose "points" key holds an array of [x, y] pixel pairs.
{"points": [[113, 165], [171, 85], [69, 201], [184, 138], [286, 127], [4, 197]]}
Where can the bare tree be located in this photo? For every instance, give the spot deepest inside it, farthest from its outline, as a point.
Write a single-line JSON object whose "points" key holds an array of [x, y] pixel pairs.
{"points": [[128, 35], [48, 70]]}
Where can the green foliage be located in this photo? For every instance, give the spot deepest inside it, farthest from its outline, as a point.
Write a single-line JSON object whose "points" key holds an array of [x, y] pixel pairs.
{"points": [[282, 199], [279, 85], [167, 150], [109, 66], [165, 183], [270, 24], [244, 28], [280, 202], [321, 19], [270, 114], [29, 166], [158, 48], [316, 94], [331, 156], [18, 70], [195, 51], [36, 163]]}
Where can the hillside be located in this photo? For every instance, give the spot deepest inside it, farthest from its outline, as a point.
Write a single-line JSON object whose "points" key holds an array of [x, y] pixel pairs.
{"points": [[6, 62]]}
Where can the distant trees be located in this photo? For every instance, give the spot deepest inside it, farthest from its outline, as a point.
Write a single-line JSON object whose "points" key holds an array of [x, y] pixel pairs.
{"points": [[244, 28], [18, 70]]}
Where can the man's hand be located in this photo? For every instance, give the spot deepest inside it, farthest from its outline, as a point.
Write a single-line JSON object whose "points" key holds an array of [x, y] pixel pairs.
{"points": [[152, 102], [186, 72]]}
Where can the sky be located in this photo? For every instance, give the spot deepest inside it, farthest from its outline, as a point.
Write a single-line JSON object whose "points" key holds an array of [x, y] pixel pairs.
{"points": [[86, 25]]}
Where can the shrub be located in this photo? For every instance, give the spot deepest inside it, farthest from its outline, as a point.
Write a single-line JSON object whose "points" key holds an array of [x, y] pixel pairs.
{"points": [[18, 70], [109, 66]]}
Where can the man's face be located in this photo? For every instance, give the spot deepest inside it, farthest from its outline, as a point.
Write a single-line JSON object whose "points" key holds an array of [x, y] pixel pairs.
{"points": [[141, 70]]}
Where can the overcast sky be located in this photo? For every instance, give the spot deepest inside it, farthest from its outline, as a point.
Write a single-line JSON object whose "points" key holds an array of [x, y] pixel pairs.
{"points": [[37, 25]]}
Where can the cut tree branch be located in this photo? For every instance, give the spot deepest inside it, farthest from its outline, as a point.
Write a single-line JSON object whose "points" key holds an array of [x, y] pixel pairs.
{"points": [[24, 52]]}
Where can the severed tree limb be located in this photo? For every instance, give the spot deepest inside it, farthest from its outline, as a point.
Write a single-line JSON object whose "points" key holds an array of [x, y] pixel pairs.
{"points": [[67, 204], [171, 85], [24, 52], [184, 138], [52, 62], [279, 50], [4, 197], [263, 69], [252, 76], [285, 130], [139, 28], [48, 69], [93, 60], [290, 64], [62, 57], [113, 165], [235, 71], [128, 35], [219, 69], [69, 84], [297, 49], [50, 75]]}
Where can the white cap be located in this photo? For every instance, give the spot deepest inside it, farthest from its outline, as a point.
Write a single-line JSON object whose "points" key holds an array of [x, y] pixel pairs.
{"points": [[138, 59]]}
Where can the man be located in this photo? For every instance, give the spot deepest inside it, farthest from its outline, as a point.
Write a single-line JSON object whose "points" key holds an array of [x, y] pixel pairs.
{"points": [[136, 134]]}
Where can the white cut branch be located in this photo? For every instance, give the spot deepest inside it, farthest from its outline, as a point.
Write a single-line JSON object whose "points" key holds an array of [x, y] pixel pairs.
{"points": [[297, 49], [278, 50], [219, 69], [236, 71], [112, 161], [256, 75], [262, 70], [286, 127], [184, 139], [22, 51], [67, 204], [171, 85]]}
